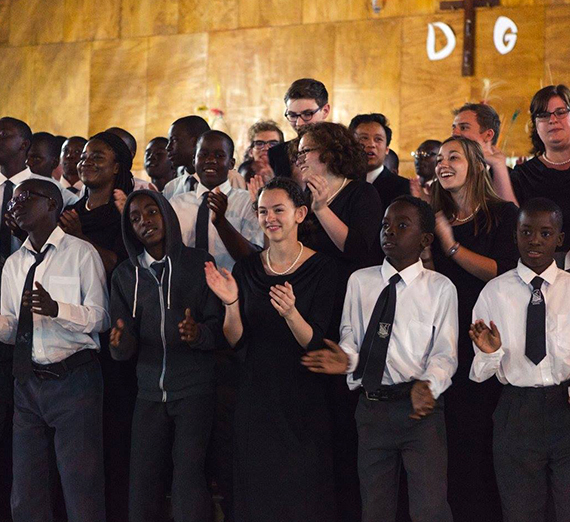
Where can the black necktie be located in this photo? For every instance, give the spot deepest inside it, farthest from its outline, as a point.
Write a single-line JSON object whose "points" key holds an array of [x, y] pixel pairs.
{"points": [[24, 335], [73, 190], [192, 181], [202, 222], [5, 232], [374, 348], [158, 268], [536, 324]]}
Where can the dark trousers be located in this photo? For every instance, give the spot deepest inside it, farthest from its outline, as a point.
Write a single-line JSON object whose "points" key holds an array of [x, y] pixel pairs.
{"points": [[177, 432], [532, 452], [6, 414], [386, 438], [72, 406]]}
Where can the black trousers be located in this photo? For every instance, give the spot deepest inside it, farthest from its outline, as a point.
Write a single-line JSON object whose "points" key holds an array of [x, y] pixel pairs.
{"points": [[73, 407], [386, 438], [6, 414], [532, 452], [174, 432]]}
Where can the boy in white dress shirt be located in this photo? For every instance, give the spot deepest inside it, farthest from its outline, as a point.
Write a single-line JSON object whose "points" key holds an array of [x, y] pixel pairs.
{"points": [[54, 303], [521, 333], [399, 346]]}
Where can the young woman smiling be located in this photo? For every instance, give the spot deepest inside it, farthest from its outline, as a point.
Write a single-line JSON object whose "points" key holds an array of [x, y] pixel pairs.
{"points": [[278, 305], [475, 229]]}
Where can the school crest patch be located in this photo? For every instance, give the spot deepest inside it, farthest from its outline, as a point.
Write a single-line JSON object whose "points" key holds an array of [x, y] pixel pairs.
{"points": [[536, 297], [384, 330]]}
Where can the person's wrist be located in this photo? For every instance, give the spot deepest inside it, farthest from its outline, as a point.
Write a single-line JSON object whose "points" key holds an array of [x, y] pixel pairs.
{"points": [[452, 250], [232, 302]]}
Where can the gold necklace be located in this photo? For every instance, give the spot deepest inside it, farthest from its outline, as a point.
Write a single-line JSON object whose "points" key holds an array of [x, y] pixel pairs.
{"points": [[289, 269], [464, 220]]}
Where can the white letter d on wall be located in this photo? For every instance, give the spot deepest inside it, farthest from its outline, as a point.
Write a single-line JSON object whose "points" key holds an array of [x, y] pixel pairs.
{"points": [[430, 43]]}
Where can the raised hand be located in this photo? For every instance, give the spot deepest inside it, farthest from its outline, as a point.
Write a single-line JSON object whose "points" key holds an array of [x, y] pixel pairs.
{"points": [[255, 183], [283, 299], [120, 199], [218, 204], [418, 191], [222, 283], [188, 328], [495, 157], [444, 231], [332, 360], [319, 187], [423, 402], [117, 333], [40, 301], [70, 223], [488, 340]]}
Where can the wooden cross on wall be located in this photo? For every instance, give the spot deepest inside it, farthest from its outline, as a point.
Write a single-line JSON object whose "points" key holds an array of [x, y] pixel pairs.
{"points": [[468, 28]]}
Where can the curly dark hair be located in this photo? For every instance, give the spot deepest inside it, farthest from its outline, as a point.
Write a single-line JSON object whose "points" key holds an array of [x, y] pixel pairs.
{"points": [[294, 191], [338, 149], [538, 104]]}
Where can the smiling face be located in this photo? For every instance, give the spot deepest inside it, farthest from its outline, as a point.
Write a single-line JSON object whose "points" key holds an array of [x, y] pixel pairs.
{"points": [[70, 155], [308, 158], [465, 124], [538, 236], [372, 137], [148, 224], [277, 215], [554, 132], [213, 160], [401, 235], [271, 138], [305, 106], [97, 167], [452, 166]]}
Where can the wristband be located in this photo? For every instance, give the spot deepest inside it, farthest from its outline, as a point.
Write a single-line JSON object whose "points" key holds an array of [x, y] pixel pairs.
{"points": [[453, 250], [229, 304]]}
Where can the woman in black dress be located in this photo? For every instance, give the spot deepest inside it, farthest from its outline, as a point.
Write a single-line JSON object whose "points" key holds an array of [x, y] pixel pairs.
{"points": [[105, 166], [278, 306], [476, 243], [343, 222]]}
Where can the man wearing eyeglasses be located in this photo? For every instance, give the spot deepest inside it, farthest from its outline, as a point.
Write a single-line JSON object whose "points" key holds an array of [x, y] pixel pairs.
{"points": [[263, 135], [306, 101], [425, 160]]}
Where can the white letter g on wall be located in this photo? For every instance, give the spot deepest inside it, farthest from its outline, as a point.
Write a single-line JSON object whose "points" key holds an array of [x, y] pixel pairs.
{"points": [[505, 34], [430, 43]]}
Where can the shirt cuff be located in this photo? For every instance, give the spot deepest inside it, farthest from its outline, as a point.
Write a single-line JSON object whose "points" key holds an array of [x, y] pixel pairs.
{"points": [[352, 362], [64, 312], [490, 357]]}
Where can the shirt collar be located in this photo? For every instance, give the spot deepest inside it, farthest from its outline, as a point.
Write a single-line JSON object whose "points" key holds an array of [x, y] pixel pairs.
{"points": [[373, 174], [407, 275], [54, 239], [22, 176], [225, 188], [65, 184], [527, 274], [146, 260]]}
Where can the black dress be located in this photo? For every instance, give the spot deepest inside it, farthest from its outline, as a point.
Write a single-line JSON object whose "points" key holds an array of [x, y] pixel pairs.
{"points": [[359, 207], [534, 179], [469, 406], [283, 464]]}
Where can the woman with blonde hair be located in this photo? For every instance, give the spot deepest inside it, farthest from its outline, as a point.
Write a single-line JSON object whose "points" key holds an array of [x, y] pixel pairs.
{"points": [[475, 231]]}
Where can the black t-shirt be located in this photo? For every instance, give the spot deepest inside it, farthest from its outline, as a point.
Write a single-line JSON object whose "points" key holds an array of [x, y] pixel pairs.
{"points": [[534, 179]]}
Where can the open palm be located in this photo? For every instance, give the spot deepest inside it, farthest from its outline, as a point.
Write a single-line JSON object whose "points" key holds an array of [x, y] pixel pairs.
{"points": [[487, 339], [221, 283]]}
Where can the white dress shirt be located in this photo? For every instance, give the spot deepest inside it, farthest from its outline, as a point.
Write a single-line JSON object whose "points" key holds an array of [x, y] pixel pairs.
{"points": [[423, 343], [66, 185], [179, 185], [373, 174], [68, 197], [239, 213], [504, 300], [72, 273]]}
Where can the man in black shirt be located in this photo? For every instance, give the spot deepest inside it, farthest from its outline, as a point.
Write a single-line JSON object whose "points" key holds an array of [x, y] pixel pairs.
{"points": [[306, 101], [374, 134]]}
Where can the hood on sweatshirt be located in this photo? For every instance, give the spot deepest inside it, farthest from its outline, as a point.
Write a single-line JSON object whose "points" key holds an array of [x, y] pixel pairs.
{"points": [[172, 236]]}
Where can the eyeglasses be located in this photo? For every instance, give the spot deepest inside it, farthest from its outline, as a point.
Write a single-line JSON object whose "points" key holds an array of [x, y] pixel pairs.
{"points": [[305, 115], [260, 144], [22, 197], [560, 113], [303, 153], [423, 155]]}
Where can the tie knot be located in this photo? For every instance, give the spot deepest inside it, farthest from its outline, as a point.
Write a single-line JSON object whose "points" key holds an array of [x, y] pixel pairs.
{"points": [[158, 267], [395, 279], [537, 283]]}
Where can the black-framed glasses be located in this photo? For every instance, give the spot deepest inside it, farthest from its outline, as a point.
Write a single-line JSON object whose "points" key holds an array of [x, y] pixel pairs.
{"points": [[305, 115], [260, 144], [22, 197], [302, 154], [560, 113], [420, 154]]}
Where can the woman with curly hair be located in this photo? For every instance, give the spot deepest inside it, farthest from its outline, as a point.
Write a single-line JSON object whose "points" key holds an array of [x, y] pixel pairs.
{"points": [[475, 229], [344, 222], [278, 307]]}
